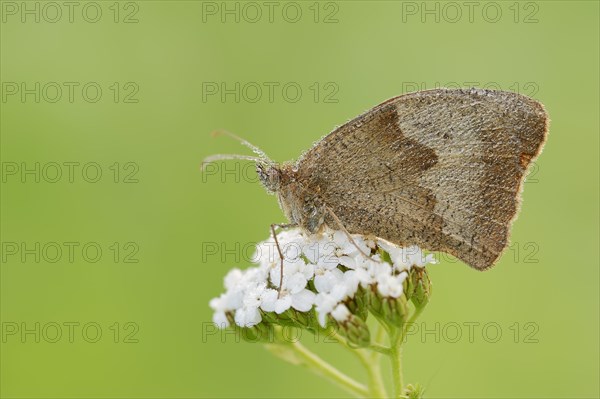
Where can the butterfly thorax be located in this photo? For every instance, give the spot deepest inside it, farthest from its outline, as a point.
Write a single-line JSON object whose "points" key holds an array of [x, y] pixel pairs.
{"points": [[300, 204]]}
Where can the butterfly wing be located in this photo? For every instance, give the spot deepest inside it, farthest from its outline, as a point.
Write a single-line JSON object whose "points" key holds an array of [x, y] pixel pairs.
{"points": [[442, 169]]}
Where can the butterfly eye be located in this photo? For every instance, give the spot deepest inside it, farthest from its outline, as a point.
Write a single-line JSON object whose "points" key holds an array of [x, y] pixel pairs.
{"points": [[260, 170], [269, 176]]}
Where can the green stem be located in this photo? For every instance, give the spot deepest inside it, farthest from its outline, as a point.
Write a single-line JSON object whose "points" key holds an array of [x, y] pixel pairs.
{"points": [[396, 341], [376, 379], [322, 367], [384, 350], [381, 332], [396, 359], [376, 385], [371, 364]]}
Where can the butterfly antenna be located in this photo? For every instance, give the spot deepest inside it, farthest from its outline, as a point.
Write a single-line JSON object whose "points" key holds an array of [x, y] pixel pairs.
{"points": [[254, 148]]}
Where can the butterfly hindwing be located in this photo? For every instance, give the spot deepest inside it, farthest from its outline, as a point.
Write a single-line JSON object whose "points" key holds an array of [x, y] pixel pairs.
{"points": [[441, 169]]}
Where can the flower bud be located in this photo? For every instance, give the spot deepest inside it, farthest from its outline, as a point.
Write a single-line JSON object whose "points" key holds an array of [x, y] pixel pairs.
{"points": [[351, 326], [409, 286], [389, 310], [396, 310], [375, 302], [358, 304], [422, 286], [414, 391]]}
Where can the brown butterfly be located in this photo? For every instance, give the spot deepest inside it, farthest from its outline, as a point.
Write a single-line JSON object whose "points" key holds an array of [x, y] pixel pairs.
{"points": [[442, 169]]}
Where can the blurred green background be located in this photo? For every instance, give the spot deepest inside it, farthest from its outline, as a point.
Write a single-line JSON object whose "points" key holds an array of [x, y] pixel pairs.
{"points": [[131, 90]]}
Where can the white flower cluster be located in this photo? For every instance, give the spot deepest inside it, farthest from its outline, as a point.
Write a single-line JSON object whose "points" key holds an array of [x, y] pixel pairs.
{"points": [[319, 271]]}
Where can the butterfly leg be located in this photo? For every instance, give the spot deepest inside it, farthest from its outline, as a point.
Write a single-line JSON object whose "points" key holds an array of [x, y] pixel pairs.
{"points": [[273, 227], [343, 228]]}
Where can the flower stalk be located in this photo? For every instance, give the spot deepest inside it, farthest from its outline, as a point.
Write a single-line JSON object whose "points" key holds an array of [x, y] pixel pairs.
{"points": [[296, 353], [396, 361]]}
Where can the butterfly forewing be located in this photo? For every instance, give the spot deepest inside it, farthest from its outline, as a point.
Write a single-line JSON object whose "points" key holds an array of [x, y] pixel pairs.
{"points": [[441, 169]]}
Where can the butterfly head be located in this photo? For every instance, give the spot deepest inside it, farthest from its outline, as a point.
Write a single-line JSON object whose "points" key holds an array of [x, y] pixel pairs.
{"points": [[269, 175]]}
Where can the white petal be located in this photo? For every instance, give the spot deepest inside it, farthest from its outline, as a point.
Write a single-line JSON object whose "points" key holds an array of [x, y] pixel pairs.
{"points": [[340, 238], [303, 301], [396, 291], [390, 286], [322, 283], [268, 299], [235, 300], [349, 261], [383, 289], [326, 281], [253, 294], [402, 276], [326, 255], [311, 251], [289, 235], [251, 277], [232, 278], [308, 270], [247, 317], [339, 292], [322, 317], [351, 282], [325, 302], [364, 277], [328, 262], [352, 248], [265, 253], [414, 255], [283, 304], [380, 269], [340, 313], [291, 265], [218, 303], [220, 320], [296, 283]]}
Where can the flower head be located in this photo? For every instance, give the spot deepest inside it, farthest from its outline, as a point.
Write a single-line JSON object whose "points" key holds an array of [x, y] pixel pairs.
{"points": [[324, 273]]}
